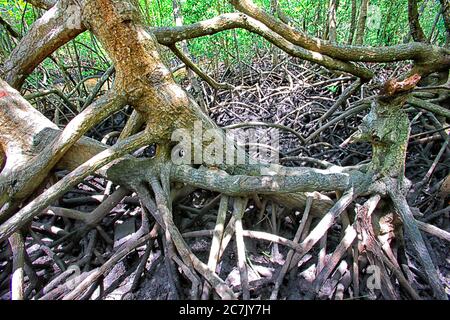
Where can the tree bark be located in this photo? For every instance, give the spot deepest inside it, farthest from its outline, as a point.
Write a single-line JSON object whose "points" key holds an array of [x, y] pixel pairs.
{"points": [[332, 33], [318, 18], [178, 17], [414, 23], [361, 28], [427, 58], [352, 23], [445, 6], [168, 36], [145, 83]]}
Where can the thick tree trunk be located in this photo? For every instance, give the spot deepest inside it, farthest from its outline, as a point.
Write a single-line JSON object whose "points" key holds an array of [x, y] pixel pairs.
{"points": [[140, 74]]}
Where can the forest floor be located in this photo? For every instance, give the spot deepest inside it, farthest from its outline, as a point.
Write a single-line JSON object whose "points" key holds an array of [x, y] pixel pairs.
{"points": [[293, 94]]}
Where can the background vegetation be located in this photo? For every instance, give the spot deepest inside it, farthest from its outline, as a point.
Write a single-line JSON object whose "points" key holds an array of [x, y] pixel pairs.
{"points": [[310, 16]]}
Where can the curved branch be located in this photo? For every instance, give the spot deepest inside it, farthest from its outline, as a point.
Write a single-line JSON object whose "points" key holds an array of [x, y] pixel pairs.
{"points": [[44, 200], [434, 57], [24, 130], [21, 180], [169, 35], [55, 28], [423, 104]]}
